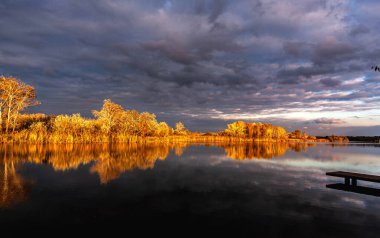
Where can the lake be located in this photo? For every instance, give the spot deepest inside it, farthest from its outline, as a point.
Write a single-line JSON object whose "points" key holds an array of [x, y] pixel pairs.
{"points": [[267, 189]]}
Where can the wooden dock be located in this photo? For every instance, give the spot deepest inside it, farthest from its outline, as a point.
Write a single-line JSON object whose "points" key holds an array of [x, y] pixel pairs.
{"points": [[352, 178]]}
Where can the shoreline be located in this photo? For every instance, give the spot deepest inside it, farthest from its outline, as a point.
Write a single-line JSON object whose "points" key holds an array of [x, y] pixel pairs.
{"points": [[168, 139]]}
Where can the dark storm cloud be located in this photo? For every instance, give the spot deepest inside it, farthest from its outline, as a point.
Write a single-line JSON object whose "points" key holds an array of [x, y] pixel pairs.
{"points": [[296, 49], [194, 60], [332, 51], [328, 82]]}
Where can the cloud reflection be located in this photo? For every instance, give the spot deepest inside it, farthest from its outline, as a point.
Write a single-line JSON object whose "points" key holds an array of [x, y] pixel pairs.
{"points": [[251, 184]]}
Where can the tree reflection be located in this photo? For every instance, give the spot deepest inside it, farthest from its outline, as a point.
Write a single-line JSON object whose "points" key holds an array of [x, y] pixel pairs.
{"points": [[262, 150], [109, 161], [13, 188], [115, 161]]}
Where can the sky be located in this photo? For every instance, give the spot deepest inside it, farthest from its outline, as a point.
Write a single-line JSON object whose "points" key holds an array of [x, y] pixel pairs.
{"points": [[300, 64]]}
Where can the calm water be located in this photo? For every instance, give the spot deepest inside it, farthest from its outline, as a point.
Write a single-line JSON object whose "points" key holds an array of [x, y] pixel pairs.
{"points": [[246, 189]]}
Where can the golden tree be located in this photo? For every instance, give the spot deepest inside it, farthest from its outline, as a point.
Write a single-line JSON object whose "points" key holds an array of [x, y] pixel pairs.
{"points": [[15, 96], [148, 124], [238, 128], [109, 116], [279, 133], [129, 124], [163, 129], [251, 129], [180, 129]]}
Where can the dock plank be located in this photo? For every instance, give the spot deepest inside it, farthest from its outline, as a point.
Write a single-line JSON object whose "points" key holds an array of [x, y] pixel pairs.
{"points": [[358, 176]]}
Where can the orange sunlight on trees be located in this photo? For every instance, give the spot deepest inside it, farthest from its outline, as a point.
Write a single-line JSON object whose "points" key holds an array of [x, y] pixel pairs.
{"points": [[15, 96], [113, 123]]}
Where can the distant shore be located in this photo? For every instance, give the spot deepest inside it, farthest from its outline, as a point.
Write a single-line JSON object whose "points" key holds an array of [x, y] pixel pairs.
{"points": [[370, 139]]}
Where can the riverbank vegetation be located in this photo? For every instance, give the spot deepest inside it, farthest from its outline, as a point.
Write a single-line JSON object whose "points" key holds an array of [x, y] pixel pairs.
{"points": [[112, 123]]}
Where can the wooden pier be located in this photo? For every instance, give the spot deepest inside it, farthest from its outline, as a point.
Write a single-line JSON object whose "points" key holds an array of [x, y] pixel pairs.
{"points": [[351, 183], [352, 178]]}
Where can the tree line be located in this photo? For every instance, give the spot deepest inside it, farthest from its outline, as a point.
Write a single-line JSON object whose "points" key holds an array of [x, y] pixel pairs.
{"points": [[260, 131], [112, 123]]}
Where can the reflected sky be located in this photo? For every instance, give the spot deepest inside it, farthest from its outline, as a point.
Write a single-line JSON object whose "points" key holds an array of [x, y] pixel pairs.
{"points": [[260, 188]]}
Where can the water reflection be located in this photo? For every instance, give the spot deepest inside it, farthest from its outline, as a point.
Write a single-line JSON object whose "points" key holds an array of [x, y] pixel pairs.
{"points": [[266, 186], [262, 150], [355, 189], [14, 188], [109, 161]]}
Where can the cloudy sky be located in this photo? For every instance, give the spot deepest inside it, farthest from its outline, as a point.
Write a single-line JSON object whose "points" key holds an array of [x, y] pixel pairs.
{"points": [[301, 64]]}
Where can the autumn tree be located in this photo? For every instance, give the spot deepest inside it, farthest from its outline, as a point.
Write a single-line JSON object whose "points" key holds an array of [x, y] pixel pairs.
{"points": [[163, 129], [147, 124], [109, 116], [72, 128], [15, 96], [297, 134], [250, 129], [37, 132], [238, 129], [180, 129], [129, 124], [256, 131], [279, 133]]}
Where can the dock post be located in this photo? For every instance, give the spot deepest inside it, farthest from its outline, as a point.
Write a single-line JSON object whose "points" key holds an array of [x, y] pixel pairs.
{"points": [[354, 182], [347, 181]]}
